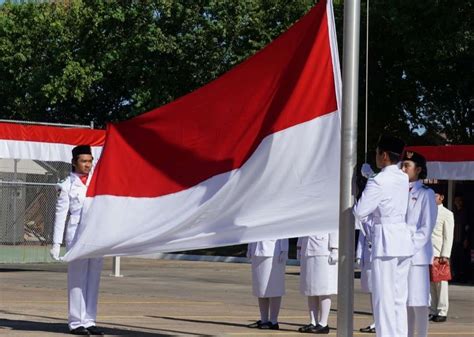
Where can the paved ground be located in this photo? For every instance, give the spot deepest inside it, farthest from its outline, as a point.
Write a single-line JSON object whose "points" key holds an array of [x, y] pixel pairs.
{"points": [[163, 298]]}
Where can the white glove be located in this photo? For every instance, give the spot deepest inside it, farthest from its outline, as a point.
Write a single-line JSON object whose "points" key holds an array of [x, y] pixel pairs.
{"points": [[298, 253], [55, 250], [366, 170], [333, 256], [283, 257], [357, 263]]}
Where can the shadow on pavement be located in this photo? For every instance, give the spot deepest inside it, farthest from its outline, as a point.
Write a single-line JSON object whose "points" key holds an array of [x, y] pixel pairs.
{"points": [[211, 322], [61, 328]]}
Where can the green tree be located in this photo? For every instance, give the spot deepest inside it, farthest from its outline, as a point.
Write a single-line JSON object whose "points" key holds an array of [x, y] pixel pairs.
{"points": [[420, 65], [79, 61]]}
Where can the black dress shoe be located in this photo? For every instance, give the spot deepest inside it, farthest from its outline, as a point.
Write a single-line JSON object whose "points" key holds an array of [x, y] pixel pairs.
{"points": [[321, 329], [439, 319], [269, 326], [255, 325], [368, 329], [307, 328], [431, 317], [80, 331], [93, 330]]}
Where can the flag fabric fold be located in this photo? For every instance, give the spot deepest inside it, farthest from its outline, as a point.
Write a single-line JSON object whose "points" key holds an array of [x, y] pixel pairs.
{"points": [[252, 155]]}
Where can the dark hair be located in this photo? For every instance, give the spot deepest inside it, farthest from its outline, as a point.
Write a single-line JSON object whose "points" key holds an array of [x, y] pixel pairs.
{"points": [[440, 192], [423, 173], [392, 156], [77, 151], [419, 160]]}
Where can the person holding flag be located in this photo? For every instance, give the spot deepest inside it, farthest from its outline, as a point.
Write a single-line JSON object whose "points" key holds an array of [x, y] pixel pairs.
{"points": [[421, 219], [268, 279], [385, 199], [318, 278], [83, 274]]}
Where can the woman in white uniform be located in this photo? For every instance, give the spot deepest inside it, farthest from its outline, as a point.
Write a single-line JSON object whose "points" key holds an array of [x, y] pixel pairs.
{"points": [[268, 279], [318, 278], [421, 219]]}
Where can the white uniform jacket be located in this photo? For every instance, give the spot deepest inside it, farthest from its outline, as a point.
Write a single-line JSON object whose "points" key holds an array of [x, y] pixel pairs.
{"points": [[443, 233], [267, 248], [421, 219], [318, 245], [385, 197], [72, 194]]}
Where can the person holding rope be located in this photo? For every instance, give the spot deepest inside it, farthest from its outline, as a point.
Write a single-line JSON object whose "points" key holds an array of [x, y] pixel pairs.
{"points": [[385, 199]]}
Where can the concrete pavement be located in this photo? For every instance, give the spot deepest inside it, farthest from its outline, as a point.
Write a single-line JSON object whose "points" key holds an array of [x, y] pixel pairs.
{"points": [[179, 298]]}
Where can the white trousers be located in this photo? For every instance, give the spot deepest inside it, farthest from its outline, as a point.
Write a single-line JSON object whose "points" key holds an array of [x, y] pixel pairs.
{"points": [[419, 286], [83, 278], [439, 298], [389, 295]]}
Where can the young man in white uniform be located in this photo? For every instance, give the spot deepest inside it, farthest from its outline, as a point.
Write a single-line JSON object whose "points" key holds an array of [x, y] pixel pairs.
{"points": [[318, 278], [268, 279], [385, 199], [442, 240], [83, 275], [421, 218]]}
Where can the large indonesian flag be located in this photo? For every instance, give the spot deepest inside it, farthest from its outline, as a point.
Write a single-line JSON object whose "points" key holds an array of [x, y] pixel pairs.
{"points": [[451, 162], [253, 155]]}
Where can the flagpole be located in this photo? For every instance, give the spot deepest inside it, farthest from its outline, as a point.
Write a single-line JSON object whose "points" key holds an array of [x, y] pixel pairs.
{"points": [[350, 77]]}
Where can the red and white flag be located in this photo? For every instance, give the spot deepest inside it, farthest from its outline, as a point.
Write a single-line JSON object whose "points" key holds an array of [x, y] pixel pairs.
{"points": [[47, 143], [253, 155], [450, 162]]}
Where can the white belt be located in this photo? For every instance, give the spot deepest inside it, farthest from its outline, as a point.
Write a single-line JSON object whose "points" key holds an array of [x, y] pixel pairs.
{"points": [[390, 219]]}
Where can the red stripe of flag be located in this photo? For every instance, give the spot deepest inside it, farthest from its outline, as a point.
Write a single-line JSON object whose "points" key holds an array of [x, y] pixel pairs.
{"points": [[449, 153], [51, 134], [216, 128]]}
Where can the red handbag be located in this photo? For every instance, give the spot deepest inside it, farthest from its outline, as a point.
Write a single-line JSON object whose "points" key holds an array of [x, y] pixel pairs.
{"points": [[440, 271]]}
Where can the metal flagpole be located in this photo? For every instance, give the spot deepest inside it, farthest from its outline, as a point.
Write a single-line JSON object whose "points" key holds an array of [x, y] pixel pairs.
{"points": [[350, 76], [366, 79], [116, 267]]}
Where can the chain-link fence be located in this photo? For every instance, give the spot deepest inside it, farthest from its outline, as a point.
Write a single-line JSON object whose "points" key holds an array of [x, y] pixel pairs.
{"points": [[27, 207]]}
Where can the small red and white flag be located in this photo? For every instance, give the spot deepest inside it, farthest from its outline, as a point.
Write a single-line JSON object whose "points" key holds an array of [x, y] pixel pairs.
{"points": [[450, 162], [253, 155], [46, 143]]}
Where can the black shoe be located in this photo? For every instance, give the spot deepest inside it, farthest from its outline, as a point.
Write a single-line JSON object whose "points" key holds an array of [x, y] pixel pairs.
{"points": [[321, 329], [93, 330], [369, 329], [269, 326], [431, 317], [308, 328], [439, 319], [80, 331], [255, 325]]}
